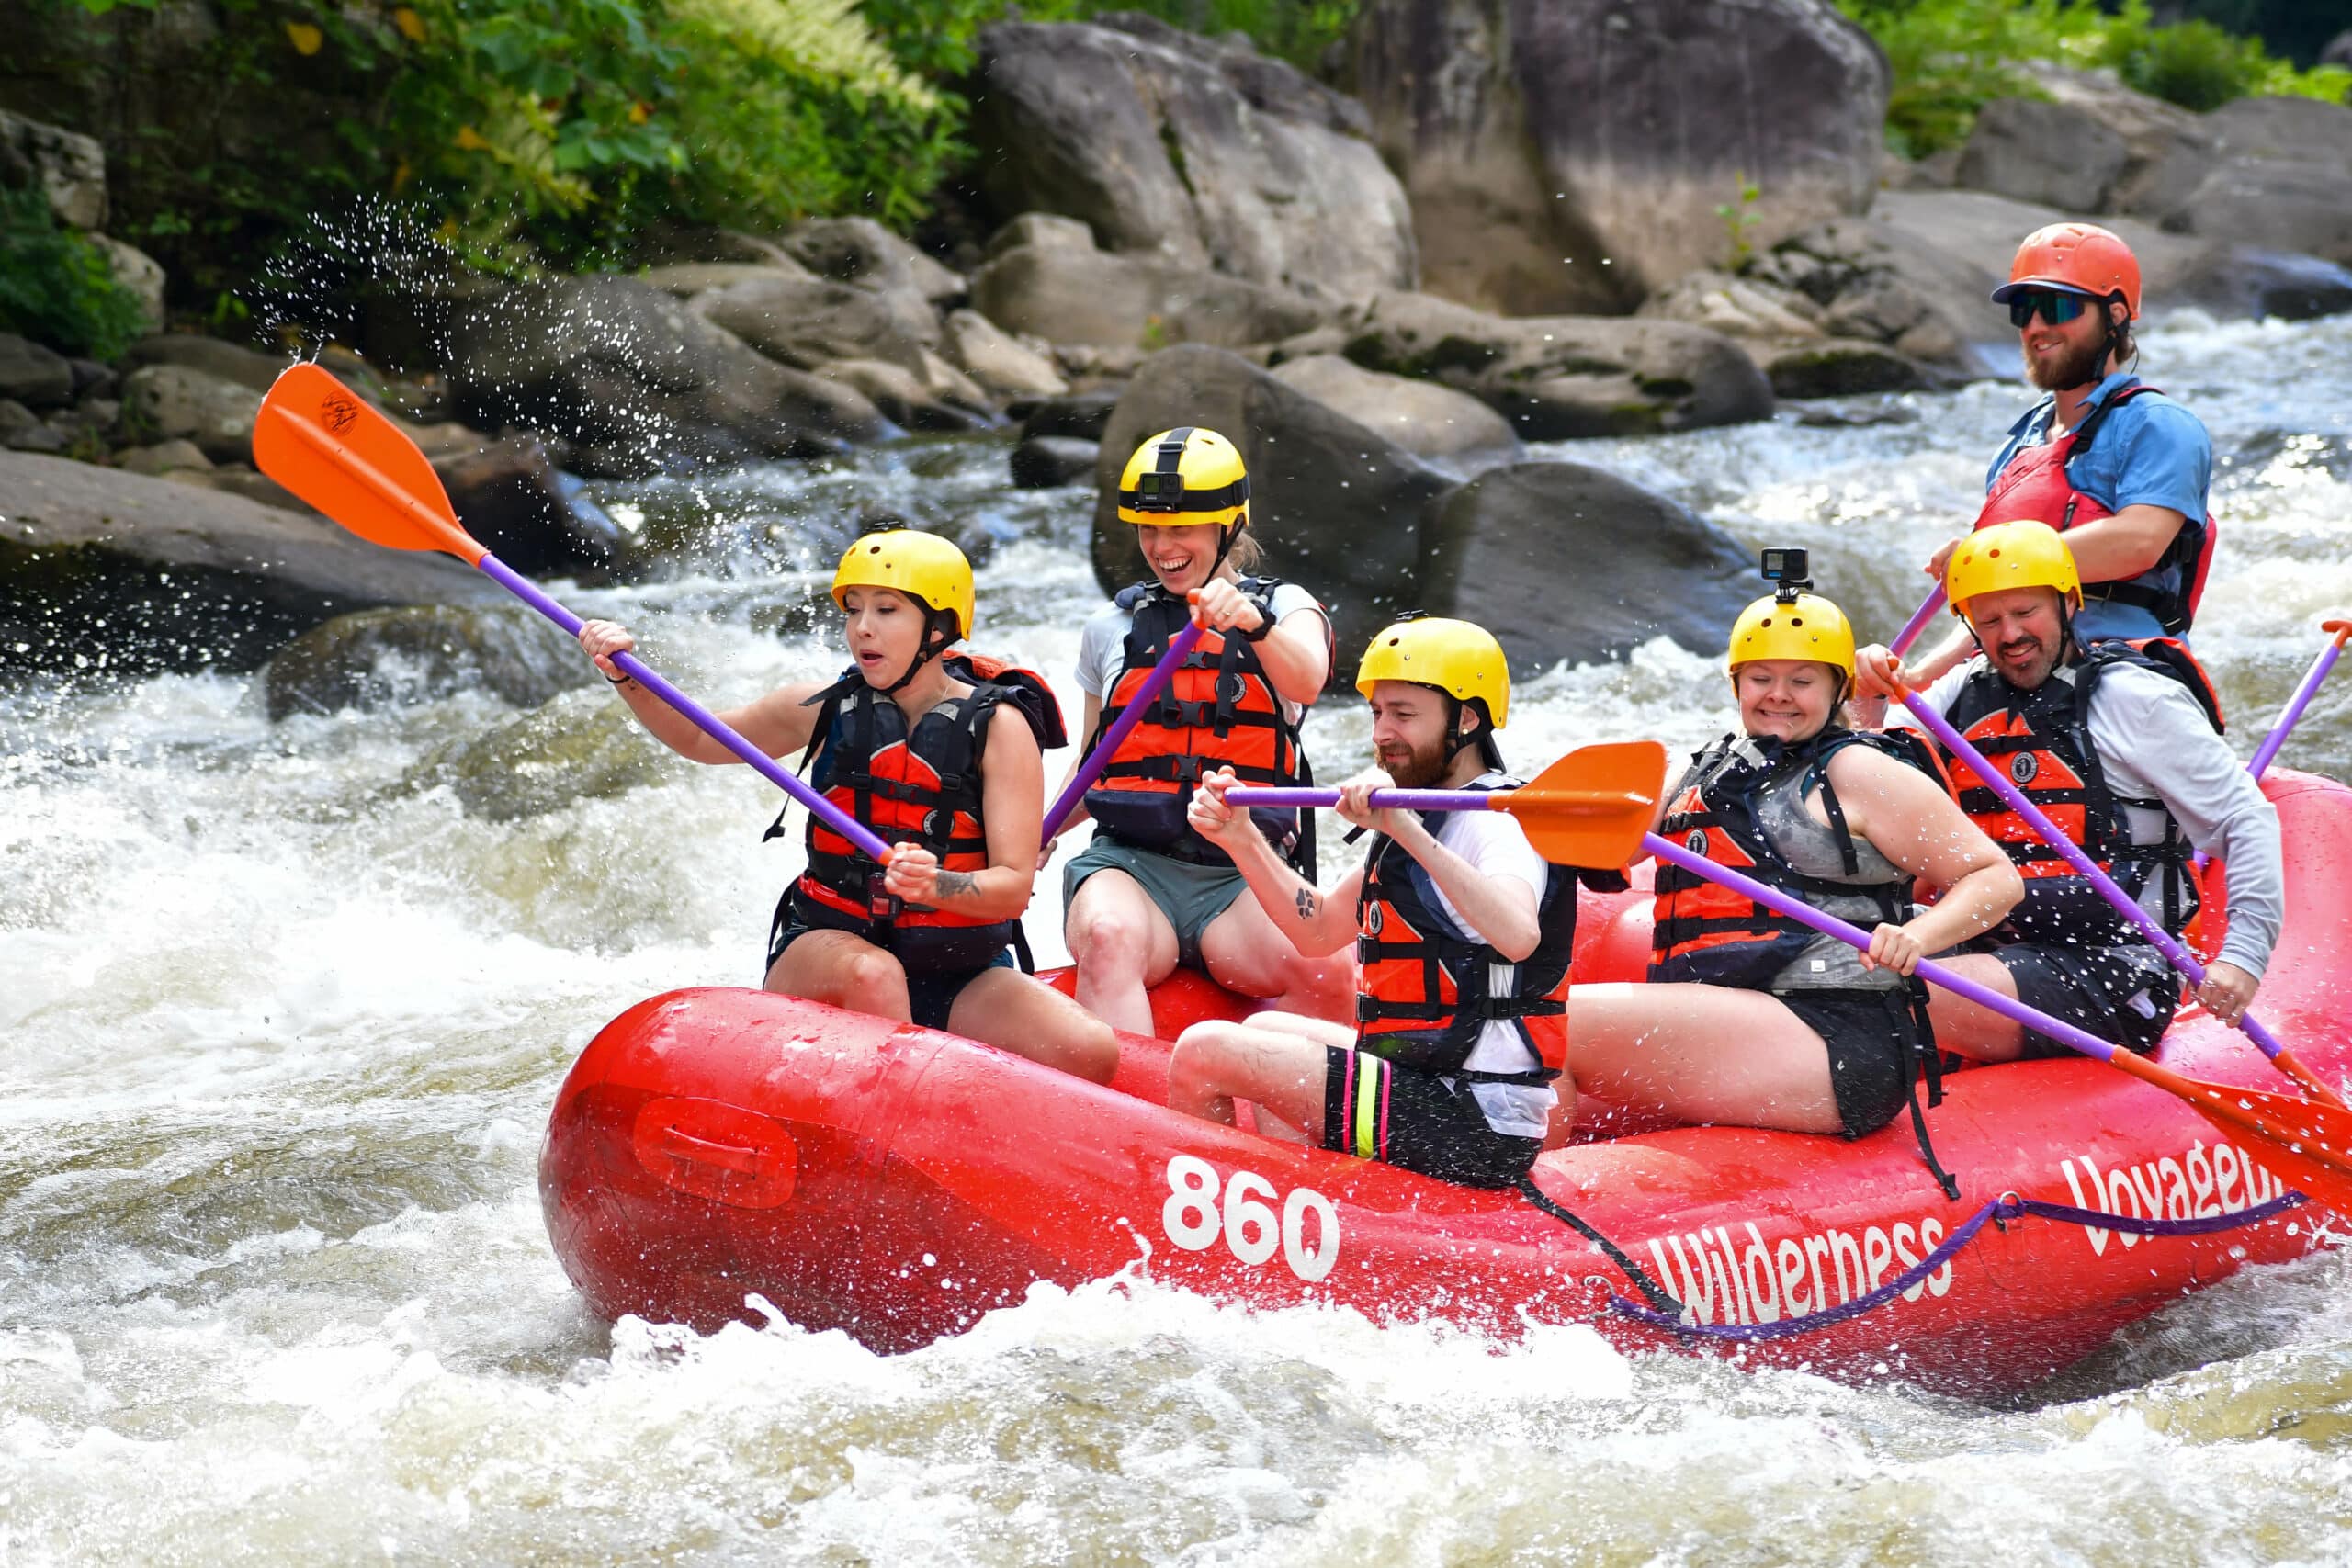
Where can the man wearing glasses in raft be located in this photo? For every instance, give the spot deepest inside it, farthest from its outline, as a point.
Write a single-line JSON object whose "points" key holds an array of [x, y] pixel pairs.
{"points": [[2103, 458]]}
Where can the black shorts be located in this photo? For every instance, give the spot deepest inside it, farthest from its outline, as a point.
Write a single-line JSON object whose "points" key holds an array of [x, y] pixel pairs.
{"points": [[2125, 995], [1375, 1109], [1870, 1036], [930, 996]]}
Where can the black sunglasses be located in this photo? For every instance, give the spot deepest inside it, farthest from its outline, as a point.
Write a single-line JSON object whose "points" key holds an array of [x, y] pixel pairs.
{"points": [[2054, 306]]}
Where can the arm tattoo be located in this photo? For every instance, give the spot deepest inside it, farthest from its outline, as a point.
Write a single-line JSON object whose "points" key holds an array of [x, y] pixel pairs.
{"points": [[954, 884], [1307, 902]]}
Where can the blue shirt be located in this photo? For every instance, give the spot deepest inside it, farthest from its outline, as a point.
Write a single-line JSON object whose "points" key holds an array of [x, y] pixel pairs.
{"points": [[2149, 452]]}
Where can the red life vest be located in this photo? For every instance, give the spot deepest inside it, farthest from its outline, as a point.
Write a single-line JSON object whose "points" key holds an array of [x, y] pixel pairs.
{"points": [[2042, 738], [1704, 932], [1429, 987], [1217, 711], [923, 787], [2035, 487]]}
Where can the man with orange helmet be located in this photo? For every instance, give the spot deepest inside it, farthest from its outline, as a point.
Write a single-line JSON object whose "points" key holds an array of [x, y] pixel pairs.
{"points": [[2111, 462]]}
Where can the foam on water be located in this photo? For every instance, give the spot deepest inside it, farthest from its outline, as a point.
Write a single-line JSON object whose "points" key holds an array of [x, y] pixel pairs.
{"points": [[283, 1022]]}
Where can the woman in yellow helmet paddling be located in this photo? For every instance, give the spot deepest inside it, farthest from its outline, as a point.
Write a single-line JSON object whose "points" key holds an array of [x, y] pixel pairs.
{"points": [[940, 753], [1749, 1017], [1150, 892]]}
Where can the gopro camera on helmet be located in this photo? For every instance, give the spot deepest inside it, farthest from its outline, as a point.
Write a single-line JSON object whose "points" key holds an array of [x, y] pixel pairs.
{"points": [[1788, 572]]}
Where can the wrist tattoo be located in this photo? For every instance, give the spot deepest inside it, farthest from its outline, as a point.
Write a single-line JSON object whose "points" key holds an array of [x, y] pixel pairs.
{"points": [[952, 884], [1307, 902]]}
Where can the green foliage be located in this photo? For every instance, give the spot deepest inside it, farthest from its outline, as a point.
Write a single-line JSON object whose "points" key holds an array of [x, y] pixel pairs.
{"points": [[1952, 57], [56, 287], [1738, 216]]}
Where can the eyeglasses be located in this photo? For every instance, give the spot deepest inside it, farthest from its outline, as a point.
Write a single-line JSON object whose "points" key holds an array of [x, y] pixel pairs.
{"points": [[2054, 306]]}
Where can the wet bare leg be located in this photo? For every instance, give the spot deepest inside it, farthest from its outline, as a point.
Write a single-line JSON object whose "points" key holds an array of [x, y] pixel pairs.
{"points": [[1022, 1014], [1279, 1067], [1123, 945], [1703, 1054], [1245, 952], [1976, 1032], [844, 970]]}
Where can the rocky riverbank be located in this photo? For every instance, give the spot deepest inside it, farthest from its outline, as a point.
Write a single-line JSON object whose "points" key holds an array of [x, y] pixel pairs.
{"points": [[1382, 293]]}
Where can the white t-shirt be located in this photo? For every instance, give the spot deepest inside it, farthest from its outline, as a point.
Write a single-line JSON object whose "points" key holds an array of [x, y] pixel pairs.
{"points": [[1101, 646], [1495, 845]]}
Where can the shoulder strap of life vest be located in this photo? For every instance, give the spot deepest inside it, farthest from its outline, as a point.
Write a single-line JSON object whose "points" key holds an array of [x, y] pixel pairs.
{"points": [[1025, 689], [2166, 656]]}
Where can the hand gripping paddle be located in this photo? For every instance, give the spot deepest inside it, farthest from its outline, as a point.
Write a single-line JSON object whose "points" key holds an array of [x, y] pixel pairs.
{"points": [[318, 439], [1590, 808]]}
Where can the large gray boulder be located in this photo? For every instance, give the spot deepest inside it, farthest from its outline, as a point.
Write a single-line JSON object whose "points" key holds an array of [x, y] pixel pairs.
{"points": [[1449, 428], [2282, 182], [1068, 296], [165, 402], [1560, 560], [1199, 153], [216, 357], [131, 573], [579, 746], [630, 373], [1569, 155], [813, 322], [1337, 507], [36, 377], [2091, 145], [70, 168], [1002, 364], [1563, 378], [510, 497], [862, 252], [389, 658]]}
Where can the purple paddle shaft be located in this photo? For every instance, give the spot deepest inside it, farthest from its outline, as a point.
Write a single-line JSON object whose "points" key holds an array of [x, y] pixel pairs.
{"points": [[1917, 622], [1132, 715], [1999, 781], [2268, 751], [2066, 1034], [824, 810], [1399, 799]]}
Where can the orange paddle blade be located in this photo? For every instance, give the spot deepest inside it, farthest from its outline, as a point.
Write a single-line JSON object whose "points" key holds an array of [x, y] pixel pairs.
{"points": [[2306, 1145], [317, 438], [1592, 807]]}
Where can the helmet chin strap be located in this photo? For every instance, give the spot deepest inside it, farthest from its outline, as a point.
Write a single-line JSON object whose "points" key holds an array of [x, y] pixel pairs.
{"points": [[1226, 540], [929, 649]]}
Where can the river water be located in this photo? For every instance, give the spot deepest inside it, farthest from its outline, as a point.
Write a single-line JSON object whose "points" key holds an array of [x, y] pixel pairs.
{"points": [[283, 1017]]}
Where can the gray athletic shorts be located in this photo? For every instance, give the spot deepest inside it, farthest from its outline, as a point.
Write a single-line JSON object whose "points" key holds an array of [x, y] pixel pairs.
{"points": [[1189, 896]]}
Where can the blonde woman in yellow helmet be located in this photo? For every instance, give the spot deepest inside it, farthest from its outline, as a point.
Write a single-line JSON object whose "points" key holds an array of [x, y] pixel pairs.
{"points": [[940, 754], [2120, 744], [1150, 893], [1464, 935], [1752, 1018]]}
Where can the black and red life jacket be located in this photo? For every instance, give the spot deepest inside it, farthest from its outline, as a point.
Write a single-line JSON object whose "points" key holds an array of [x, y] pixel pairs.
{"points": [[2042, 738], [2035, 487], [1429, 987], [1705, 932], [1217, 711], [922, 788]]}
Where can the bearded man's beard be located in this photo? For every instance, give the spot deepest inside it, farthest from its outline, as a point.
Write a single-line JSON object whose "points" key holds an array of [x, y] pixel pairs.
{"points": [[2077, 368], [1419, 771]]}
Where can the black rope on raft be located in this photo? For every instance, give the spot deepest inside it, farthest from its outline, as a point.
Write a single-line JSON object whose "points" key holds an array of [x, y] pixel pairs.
{"points": [[1999, 1211], [1660, 1297]]}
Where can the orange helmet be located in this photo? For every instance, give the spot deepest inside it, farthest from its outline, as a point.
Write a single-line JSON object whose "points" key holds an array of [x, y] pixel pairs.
{"points": [[2081, 257]]}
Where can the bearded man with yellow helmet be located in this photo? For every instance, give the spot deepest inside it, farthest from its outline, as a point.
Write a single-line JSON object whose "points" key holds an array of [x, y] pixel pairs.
{"points": [[1464, 934], [1150, 893], [2120, 743], [1749, 1017], [938, 753]]}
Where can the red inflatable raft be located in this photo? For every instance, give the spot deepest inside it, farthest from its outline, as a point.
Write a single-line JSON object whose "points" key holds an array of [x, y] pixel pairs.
{"points": [[711, 1145]]}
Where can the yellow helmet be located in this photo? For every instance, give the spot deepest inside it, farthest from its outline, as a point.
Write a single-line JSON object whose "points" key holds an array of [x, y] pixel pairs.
{"points": [[922, 566], [1459, 659], [1183, 477], [1802, 626], [2011, 555]]}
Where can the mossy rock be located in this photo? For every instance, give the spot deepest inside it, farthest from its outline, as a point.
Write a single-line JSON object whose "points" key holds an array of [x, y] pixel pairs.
{"points": [[582, 746], [413, 654]]}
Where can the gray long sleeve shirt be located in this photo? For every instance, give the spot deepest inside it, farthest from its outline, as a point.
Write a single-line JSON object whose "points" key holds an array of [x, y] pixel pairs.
{"points": [[2153, 739]]}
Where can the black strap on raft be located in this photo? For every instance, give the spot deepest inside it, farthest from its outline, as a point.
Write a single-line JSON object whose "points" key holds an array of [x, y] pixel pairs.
{"points": [[1658, 1296], [1925, 1061]]}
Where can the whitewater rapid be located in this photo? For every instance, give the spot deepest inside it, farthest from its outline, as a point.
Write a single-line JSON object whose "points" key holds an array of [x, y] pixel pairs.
{"points": [[283, 1017]]}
